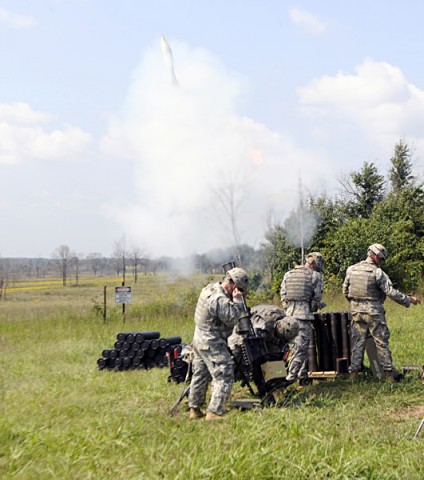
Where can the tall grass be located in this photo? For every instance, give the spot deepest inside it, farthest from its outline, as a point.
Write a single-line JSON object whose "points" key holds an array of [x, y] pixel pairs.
{"points": [[62, 418]]}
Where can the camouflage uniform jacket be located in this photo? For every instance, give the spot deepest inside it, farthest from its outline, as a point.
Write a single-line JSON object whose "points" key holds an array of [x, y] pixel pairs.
{"points": [[215, 315], [377, 279], [263, 318], [303, 309]]}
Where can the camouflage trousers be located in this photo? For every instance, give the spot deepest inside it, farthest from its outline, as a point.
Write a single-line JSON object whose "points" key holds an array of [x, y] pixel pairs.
{"points": [[297, 366], [375, 324], [211, 364]]}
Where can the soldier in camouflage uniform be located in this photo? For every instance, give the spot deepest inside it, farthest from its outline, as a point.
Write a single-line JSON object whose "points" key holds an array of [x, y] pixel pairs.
{"points": [[271, 323], [217, 312], [301, 294], [366, 287]]}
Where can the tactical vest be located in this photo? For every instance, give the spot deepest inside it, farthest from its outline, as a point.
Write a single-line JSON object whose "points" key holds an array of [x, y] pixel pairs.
{"points": [[202, 317], [299, 285], [362, 283]]}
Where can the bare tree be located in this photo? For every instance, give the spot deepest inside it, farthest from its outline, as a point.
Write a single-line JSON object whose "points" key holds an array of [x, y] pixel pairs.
{"points": [[135, 259], [95, 260], [146, 264], [75, 265], [120, 256], [38, 267], [230, 197], [116, 263], [62, 257], [4, 275]]}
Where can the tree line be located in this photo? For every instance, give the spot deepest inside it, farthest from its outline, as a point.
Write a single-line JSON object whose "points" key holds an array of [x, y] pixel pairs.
{"points": [[369, 208]]}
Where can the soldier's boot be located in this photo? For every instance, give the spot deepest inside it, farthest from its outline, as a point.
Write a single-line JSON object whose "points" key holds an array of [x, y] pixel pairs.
{"points": [[210, 416], [353, 376], [305, 381], [286, 382], [196, 413], [393, 376]]}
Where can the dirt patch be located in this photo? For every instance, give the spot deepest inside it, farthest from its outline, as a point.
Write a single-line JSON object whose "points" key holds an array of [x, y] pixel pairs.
{"points": [[408, 412]]}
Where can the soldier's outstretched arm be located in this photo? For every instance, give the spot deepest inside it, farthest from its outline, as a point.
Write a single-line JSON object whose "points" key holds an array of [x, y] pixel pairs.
{"points": [[384, 282]]}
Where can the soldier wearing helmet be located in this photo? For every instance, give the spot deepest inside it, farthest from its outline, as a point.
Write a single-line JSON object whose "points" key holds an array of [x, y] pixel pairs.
{"points": [[271, 323], [239, 277], [315, 258], [301, 294], [366, 287], [217, 311]]}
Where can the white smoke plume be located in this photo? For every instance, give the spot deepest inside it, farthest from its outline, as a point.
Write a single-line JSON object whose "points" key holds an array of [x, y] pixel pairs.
{"points": [[186, 143], [300, 226]]}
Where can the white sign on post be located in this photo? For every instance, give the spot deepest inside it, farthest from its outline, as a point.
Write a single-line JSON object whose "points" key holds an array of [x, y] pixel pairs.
{"points": [[123, 295]]}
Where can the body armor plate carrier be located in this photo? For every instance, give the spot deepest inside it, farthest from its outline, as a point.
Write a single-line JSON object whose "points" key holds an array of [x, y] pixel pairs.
{"points": [[363, 284], [299, 285]]}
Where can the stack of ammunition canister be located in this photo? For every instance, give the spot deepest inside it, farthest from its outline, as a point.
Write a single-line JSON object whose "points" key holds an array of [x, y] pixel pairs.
{"points": [[137, 350], [329, 349]]}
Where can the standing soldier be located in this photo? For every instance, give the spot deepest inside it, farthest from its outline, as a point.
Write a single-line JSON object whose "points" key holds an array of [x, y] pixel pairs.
{"points": [[217, 311], [366, 287], [301, 295]]}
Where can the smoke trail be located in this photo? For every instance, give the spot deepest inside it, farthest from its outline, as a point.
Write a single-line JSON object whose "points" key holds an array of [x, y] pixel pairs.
{"points": [[300, 226]]}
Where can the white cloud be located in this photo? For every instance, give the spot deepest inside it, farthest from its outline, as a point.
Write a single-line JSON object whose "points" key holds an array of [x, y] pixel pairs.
{"points": [[23, 138], [189, 141], [307, 21], [14, 19], [22, 114], [377, 98]]}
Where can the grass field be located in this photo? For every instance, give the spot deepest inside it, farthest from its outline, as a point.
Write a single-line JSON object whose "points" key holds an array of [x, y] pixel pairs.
{"points": [[62, 418]]}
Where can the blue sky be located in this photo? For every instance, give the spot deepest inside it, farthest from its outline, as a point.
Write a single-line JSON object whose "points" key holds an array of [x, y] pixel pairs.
{"points": [[98, 144]]}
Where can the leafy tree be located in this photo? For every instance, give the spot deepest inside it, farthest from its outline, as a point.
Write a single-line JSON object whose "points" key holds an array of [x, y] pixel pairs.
{"points": [[279, 254], [399, 220], [346, 246], [398, 223], [330, 214], [400, 174], [363, 189]]}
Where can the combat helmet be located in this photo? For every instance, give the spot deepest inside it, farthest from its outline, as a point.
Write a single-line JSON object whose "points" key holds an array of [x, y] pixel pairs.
{"points": [[287, 328], [240, 278], [317, 258], [378, 250]]}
